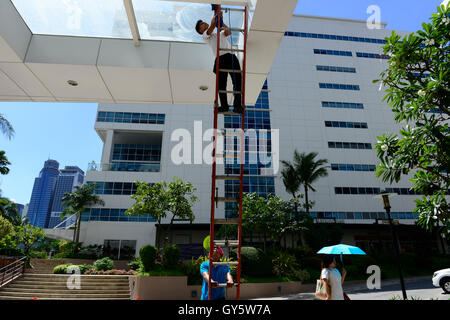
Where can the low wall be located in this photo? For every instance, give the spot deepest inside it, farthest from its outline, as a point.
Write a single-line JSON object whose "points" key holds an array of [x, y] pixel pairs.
{"points": [[5, 260], [176, 288]]}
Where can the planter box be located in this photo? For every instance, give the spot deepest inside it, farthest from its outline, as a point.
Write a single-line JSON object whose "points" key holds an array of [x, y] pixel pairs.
{"points": [[176, 288]]}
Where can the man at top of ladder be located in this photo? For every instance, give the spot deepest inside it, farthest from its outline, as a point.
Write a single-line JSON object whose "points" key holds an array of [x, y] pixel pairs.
{"points": [[220, 274], [228, 63]]}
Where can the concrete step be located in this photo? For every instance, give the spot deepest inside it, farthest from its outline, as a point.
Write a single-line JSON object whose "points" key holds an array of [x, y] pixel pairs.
{"points": [[63, 291], [56, 286], [61, 295]]}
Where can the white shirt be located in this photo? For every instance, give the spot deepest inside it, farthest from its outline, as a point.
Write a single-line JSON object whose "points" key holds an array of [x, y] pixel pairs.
{"points": [[212, 41], [335, 280]]}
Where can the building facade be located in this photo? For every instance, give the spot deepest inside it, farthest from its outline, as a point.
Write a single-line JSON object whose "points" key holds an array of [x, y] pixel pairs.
{"points": [[42, 194], [68, 179], [318, 97]]}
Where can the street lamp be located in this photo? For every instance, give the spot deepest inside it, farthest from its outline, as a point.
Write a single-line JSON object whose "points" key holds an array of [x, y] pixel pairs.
{"points": [[387, 206]]}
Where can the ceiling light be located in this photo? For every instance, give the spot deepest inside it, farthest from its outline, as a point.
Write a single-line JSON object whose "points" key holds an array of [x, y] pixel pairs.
{"points": [[73, 83], [203, 88]]}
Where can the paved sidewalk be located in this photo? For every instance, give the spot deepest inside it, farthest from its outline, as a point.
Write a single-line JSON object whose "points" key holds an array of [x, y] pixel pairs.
{"points": [[360, 288]]}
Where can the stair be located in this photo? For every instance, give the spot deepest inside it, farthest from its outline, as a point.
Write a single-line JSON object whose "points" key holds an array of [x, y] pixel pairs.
{"points": [[54, 287]]}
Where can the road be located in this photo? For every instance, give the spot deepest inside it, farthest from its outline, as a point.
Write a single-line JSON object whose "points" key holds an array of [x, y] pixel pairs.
{"points": [[416, 288]]}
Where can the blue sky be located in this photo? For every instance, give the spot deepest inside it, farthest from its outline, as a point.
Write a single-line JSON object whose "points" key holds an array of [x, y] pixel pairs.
{"points": [[65, 131]]}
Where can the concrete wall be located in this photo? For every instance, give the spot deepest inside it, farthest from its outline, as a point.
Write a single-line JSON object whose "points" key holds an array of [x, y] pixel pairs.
{"points": [[176, 288]]}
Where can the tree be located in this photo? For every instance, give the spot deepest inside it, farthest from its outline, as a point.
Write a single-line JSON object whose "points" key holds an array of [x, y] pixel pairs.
{"points": [[161, 199], [28, 236], [307, 171], [77, 202], [9, 211], [6, 227], [254, 215], [418, 91], [4, 163], [6, 128]]}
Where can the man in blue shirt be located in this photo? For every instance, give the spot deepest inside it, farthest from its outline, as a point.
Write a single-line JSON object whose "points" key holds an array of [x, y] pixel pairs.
{"points": [[220, 274]]}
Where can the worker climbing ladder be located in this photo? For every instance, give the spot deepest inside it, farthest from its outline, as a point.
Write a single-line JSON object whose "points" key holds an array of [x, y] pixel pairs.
{"points": [[215, 198]]}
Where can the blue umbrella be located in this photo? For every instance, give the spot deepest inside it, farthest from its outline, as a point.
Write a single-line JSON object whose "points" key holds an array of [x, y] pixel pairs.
{"points": [[341, 249]]}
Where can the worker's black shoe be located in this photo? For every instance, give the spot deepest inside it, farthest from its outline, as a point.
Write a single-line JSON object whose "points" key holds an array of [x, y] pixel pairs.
{"points": [[223, 109]]}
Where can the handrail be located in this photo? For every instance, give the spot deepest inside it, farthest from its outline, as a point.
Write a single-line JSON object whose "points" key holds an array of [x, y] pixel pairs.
{"points": [[11, 271]]}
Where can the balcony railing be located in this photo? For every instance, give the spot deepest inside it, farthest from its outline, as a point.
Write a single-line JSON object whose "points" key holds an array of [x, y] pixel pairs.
{"points": [[148, 166]]}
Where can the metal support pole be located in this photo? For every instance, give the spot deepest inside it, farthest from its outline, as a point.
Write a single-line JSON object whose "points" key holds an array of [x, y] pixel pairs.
{"points": [[397, 252]]}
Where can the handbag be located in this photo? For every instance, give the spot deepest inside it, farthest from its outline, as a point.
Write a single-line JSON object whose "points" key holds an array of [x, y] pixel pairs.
{"points": [[320, 290]]}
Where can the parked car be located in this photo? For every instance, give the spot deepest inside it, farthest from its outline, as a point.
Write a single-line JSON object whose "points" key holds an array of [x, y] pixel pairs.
{"points": [[441, 278]]}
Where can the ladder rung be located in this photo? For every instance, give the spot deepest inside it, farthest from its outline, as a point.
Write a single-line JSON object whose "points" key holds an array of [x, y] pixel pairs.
{"points": [[228, 156], [236, 29], [232, 50], [229, 263], [228, 134], [230, 70], [227, 177], [226, 221], [223, 199], [230, 91], [233, 9], [225, 285], [227, 243], [230, 113]]}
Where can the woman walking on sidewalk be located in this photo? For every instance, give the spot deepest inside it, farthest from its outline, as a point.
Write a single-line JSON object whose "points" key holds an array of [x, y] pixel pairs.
{"points": [[331, 278]]}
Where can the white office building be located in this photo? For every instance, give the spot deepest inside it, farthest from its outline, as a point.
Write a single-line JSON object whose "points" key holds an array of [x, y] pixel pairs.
{"points": [[319, 95]]}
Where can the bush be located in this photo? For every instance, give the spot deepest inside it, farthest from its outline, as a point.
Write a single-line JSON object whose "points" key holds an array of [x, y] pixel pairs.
{"points": [[148, 255], [104, 264], [111, 272], [135, 264], [191, 269], [62, 268], [171, 256], [85, 267]]}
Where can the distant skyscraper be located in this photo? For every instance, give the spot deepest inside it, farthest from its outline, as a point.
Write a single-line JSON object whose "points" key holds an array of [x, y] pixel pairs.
{"points": [[41, 198], [69, 178], [20, 208]]}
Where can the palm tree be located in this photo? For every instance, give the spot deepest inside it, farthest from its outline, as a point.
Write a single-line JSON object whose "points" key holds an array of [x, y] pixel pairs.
{"points": [[6, 127], [306, 170], [4, 163], [291, 181], [76, 202]]}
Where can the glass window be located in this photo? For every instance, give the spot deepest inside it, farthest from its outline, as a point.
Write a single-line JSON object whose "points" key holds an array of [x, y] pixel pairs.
{"points": [[75, 17]]}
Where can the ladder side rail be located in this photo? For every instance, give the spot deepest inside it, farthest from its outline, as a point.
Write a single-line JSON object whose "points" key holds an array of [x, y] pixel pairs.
{"points": [[213, 175], [241, 187]]}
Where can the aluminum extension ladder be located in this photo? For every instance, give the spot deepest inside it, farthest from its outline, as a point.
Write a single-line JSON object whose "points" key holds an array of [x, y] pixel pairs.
{"points": [[214, 192]]}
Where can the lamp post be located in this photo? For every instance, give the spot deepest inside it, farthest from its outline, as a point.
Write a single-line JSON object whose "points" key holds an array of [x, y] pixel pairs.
{"points": [[387, 206]]}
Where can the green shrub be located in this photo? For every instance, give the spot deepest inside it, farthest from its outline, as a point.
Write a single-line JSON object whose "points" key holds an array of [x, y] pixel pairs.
{"points": [[148, 255], [38, 254], [171, 256], [135, 264], [85, 267], [191, 269], [104, 264], [62, 268], [284, 265]]}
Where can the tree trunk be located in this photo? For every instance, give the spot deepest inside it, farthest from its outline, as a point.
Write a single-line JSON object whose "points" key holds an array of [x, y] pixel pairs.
{"points": [[77, 230], [307, 200]]}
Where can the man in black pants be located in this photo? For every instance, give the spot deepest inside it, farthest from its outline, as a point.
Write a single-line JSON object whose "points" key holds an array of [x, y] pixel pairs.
{"points": [[226, 61]]}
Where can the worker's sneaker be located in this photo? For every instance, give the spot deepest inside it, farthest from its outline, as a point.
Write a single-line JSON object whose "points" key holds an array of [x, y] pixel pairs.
{"points": [[223, 109]]}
